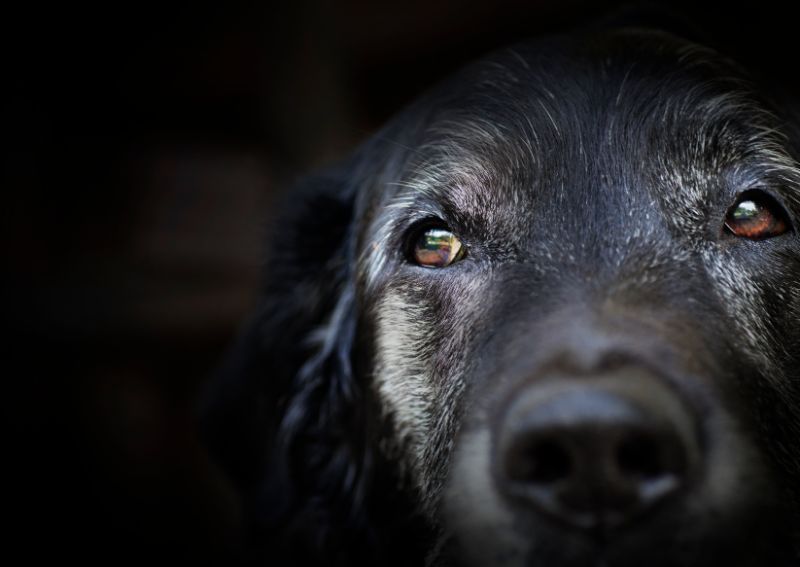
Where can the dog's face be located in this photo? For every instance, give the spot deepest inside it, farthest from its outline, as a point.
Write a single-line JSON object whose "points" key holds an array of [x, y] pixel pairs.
{"points": [[572, 281], [580, 343]]}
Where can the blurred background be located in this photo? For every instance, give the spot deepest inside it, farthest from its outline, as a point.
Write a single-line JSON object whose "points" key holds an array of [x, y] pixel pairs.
{"points": [[146, 144]]}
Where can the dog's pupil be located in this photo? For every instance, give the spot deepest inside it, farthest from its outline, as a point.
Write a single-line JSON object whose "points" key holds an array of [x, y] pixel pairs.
{"points": [[437, 248], [746, 210]]}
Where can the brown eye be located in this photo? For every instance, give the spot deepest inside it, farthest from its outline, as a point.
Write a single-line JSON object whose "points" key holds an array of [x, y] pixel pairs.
{"points": [[437, 248], [756, 216]]}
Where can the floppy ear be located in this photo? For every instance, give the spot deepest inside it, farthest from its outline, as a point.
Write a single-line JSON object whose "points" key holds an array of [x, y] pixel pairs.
{"points": [[283, 417]]}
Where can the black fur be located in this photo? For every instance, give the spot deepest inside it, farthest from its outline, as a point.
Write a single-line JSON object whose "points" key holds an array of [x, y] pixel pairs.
{"points": [[289, 419], [294, 418]]}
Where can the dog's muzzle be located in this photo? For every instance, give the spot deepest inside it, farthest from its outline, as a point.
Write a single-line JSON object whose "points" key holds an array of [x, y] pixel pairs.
{"points": [[595, 451]]}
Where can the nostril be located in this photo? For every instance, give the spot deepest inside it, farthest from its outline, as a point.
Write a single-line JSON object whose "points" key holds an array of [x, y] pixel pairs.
{"points": [[653, 465], [543, 461], [639, 457]]}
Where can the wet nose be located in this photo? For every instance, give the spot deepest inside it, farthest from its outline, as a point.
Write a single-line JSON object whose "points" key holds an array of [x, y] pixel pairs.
{"points": [[598, 453]]}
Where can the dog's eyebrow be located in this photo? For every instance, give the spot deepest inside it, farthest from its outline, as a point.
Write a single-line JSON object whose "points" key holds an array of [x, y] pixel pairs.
{"points": [[464, 193], [470, 166]]}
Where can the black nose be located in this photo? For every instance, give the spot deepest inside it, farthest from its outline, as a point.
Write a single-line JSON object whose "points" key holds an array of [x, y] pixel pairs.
{"points": [[598, 455]]}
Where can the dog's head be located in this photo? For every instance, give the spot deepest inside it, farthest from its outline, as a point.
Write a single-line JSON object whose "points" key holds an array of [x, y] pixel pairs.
{"points": [[551, 313]]}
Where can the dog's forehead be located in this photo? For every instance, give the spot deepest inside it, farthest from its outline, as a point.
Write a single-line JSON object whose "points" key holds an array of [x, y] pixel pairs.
{"points": [[562, 139], [632, 116], [574, 111]]}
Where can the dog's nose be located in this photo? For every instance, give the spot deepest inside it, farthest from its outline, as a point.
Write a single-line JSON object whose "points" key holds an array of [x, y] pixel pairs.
{"points": [[595, 455]]}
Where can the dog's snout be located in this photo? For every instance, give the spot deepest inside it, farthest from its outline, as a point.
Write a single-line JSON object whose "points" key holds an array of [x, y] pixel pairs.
{"points": [[595, 454]]}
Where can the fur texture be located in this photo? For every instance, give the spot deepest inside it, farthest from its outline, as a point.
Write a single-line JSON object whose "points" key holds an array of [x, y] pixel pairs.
{"points": [[589, 178]]}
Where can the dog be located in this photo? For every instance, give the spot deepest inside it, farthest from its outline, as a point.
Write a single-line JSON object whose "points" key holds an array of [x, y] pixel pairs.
{"points": [[548, 316]]}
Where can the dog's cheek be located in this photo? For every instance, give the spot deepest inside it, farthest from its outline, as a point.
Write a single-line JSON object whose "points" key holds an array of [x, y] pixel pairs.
{"points": [[423, 331], [462, 316], [404, 339], [763, 310], [743, 300]]}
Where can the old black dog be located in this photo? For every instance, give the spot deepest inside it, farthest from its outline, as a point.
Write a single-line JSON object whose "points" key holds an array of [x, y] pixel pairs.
{"points": [[548, 316]]}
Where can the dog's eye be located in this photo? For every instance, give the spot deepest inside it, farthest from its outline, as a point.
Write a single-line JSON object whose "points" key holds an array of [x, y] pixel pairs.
{"points": [[756, 216], [437, 248]]}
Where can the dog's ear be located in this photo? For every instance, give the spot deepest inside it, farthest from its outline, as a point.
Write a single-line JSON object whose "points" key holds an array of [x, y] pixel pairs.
{"points": [[283, 415], [303, 276]]}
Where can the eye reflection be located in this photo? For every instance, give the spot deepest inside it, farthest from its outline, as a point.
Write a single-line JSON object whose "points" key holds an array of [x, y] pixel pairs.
{"points": [[437, 248]]}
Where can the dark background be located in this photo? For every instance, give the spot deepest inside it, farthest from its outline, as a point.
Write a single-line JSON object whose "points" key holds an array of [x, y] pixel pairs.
{"points": [[145, 144]]}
